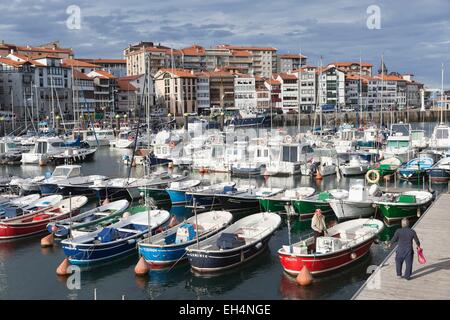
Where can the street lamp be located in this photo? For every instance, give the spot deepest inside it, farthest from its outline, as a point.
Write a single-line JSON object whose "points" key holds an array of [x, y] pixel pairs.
{"points": [[118, 121], [2, 120]]}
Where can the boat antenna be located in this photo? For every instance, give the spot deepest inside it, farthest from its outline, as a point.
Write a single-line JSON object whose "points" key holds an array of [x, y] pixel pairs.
{"points": [[138, 125], [442, 94], [194, 208]]}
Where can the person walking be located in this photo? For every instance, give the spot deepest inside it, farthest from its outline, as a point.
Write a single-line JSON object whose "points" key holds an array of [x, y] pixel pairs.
{"points": [[404, 237], [318, 223]]}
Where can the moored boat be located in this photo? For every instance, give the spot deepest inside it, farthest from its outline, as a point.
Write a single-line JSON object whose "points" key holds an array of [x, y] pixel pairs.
{"points": [[415, 169], [307, 206], [277, 203], [114, 241], [395, 206], [440, 172], [36, 222], [343, 244], [90, 220], [169, 246], [236, 244], [206, 196], [177, 191]]}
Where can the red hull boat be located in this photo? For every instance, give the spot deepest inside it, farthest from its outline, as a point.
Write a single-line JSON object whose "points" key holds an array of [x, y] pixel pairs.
{"points": [[345, 243], [36, 222]]}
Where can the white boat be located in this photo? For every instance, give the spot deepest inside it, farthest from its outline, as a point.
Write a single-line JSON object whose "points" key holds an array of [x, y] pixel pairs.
{"points": [[97, 137], [356, 204], [324, 161], [418, 139], [440, 139], [291, 159], [400, 147], [125, 140], [354, 166], [43, 149]]}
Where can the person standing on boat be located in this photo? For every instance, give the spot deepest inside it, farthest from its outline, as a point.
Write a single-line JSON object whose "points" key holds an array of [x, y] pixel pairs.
{"points": [[318, 223], [404, 237]]}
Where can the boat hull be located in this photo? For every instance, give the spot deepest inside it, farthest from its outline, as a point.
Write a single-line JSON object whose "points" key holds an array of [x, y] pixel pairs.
{"points": [[233, 204], [321, 264], [205, 262], [345, 210], [439, 175], [306, 208], [393, 211], [179, 197]]}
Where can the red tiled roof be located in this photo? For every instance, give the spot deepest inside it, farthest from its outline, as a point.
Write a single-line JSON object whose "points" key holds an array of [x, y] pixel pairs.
{"points": [[273, 82], [291, 56], [103, 74], [79, 63], [248, 48], [12, 62], [348, 64], [131, 78], [102, 60], [241, 53], [125, 85], [388, 78], [80, 75], [182, 73], [194, 50], [287, 76]]}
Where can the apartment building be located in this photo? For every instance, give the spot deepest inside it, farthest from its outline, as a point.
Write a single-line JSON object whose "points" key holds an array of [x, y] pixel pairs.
{"points": [[116, 67], [83, 93], [355, 68], [146, 56], [52, 48], [356, 87], [289, 91], [331, 87], [202, 92], [290, 62], [245, 93], [221, 89], [274, 88], [307, 82], [127, 98], [264, 59], [383, 92], [178, 89], [217, 58], [105, 91]]}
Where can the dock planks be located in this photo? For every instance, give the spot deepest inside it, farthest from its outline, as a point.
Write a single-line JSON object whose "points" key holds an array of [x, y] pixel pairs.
{"points": [[430, 281]]}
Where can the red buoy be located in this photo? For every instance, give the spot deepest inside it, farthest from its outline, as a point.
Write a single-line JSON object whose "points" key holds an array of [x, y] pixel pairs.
{"points": [[304, 278], [47, 241], [62, 268], [141, 268]]}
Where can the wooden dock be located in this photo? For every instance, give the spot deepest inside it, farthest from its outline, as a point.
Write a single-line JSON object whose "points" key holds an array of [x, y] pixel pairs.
{"points": [[428, 281]]}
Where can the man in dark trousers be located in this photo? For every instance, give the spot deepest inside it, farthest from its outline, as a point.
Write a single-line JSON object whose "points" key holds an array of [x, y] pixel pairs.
{"points": [[404, 237]]}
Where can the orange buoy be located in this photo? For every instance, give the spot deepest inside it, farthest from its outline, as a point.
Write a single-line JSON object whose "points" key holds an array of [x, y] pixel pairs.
{"points": [[173, 222], [304, 278], [141, 268], [62, 268], [170, 165], [47, 241]]}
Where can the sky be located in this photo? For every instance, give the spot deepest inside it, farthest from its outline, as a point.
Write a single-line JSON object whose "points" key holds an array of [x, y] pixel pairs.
{"points": [[412, 35]]}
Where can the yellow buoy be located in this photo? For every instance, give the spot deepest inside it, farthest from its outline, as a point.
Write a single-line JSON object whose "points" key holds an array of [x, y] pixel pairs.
{"points": [[47, 241], [141, 268], [304, 278], [62, 268]]}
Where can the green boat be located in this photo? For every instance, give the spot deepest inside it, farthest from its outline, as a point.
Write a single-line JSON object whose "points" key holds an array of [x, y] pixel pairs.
{"points": [[160, 196], [277, 202], [306, 207], [395, 206], [387, 166]]}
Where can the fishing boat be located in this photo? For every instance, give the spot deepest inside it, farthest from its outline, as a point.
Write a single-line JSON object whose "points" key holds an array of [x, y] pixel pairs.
{"points": [[307, 206], [387, 166], [356, 203], [206, 196], [31, 208], [415, 168], [395, 206], [418, 139], [74, 154], [247, 168], [342, 245], [323, 162], [440, 172], [10, 151], [43, 149], [17, 203], [355, 166], [291, 158], [169, 246], [114, 241], [277, 202], [97, 137], [400, 147], [234, 245], [440, 138], [36, 222], [89, 221], [177, 191], [245, 198]]}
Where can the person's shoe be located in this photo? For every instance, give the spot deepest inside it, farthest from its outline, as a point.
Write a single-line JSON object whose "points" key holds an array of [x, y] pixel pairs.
{"points": [[407, 279], [399, 277]]}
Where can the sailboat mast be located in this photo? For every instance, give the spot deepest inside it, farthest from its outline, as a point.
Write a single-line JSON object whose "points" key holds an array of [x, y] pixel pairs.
{"points": [[442, 93], [382, 83], [299, 92], [360, 89]]}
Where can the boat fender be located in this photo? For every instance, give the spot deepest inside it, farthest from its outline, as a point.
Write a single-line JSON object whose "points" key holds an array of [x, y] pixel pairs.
{"points": [[62, 269], [131, 241], [353, 256], [141, 268], [304, 277], [418, 212], [369, 178], [258, 245], [126, 215], [48, 241]]}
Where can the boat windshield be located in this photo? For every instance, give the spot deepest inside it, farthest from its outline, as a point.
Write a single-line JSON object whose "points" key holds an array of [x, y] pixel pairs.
{"points": [[400, 128], [442, 134], [398, 144]]}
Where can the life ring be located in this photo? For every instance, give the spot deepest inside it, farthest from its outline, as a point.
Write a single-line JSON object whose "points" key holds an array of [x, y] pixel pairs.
{"points": [[369, 175]]}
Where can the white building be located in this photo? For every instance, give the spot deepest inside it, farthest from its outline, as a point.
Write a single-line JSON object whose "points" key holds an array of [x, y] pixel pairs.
{"points": [[289, 91], [307, 88], [244, 93], [202, 92], [331, 89]]}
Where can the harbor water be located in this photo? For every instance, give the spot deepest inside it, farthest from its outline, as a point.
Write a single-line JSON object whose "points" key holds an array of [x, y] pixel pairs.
{"points": [[27, 271]]}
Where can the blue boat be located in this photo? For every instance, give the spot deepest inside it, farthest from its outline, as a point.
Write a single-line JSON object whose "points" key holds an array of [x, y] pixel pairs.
{"points": [[207, 196], [415, 168], [17, 204], [177, 191], [440, 172], [236, 244], [168, 247], [117, 240]]}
